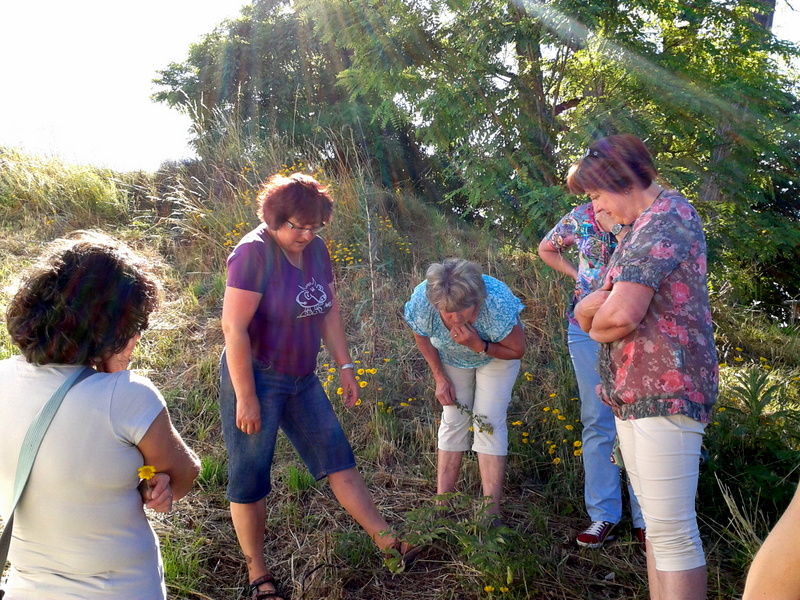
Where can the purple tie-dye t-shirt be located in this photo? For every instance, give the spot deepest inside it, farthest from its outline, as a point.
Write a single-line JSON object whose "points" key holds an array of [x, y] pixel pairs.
{"points": [[286, 329]]}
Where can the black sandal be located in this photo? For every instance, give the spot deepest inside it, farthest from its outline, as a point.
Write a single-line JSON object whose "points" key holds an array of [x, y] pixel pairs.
{"points": [[256, 594]]}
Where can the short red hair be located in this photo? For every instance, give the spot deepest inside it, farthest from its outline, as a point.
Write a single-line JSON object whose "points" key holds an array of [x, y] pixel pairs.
{"points": [[615, 163], [299, 197]]}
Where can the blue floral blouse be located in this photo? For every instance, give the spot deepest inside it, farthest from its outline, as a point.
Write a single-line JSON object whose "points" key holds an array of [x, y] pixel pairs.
{"points": [[496, 319], [595, 247]]}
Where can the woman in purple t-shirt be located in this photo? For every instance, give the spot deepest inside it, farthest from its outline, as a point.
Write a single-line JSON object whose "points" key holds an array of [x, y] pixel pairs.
{"points": [[279, 304], [658, 363]]}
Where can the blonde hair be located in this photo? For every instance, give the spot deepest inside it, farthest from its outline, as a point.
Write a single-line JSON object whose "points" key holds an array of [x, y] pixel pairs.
{"points": [[455, 284]]}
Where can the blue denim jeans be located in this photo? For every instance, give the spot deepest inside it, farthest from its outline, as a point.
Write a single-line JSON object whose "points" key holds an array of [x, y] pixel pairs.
{"points": [[602, 487], [298, 406]]}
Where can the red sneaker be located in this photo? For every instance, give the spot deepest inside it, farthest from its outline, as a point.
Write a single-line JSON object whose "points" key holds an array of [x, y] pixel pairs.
{"points": [[597, 534]]}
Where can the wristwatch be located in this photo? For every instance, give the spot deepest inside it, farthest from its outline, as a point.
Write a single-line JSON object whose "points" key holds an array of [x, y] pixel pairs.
{"points": [[347, 366], [485, 348], [617, 228]]}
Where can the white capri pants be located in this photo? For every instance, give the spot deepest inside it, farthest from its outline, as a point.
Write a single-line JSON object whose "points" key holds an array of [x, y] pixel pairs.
{"points": [[662, 456], [486, 391]]}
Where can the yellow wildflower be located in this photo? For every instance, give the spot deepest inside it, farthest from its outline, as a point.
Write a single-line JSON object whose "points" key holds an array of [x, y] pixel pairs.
{"points": [[146, 472], [488, 589], [362, 384], [358, 402], [556, 460], [517, 423]]}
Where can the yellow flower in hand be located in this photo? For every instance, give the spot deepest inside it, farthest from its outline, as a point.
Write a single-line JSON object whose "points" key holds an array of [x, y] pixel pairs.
{"points": [[146, 472]]}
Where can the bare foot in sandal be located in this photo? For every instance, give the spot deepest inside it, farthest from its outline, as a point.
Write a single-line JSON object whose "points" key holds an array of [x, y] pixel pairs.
{"points": [[257, 591]]}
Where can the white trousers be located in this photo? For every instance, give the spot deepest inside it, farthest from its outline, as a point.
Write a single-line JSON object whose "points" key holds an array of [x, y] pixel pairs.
{"points": [[486, 391], [662, 456]]}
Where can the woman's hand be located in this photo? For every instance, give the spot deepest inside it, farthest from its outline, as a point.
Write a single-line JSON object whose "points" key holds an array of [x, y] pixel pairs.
{"points": [[468, 336], [586, 309], [445, 392], [604, 220], [248, 415], [157, 493], [349, 387]]}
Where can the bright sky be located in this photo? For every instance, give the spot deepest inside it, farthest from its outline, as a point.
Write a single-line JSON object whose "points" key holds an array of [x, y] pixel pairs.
{"points": [[77, 75]]}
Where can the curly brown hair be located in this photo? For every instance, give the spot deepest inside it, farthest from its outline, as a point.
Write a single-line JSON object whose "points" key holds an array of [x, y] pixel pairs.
{"points": [[82, 303], [298, 196]]}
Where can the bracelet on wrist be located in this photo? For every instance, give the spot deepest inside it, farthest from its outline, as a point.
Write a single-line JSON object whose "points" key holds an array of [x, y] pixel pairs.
{"points": [[485, 347], [346, 366]]}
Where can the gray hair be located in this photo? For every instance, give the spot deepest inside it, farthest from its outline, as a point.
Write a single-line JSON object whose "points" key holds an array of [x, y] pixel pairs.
{"points": [[455, 284]]}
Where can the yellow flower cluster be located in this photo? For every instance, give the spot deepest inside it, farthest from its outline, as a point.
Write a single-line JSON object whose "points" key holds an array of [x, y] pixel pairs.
{"points": [[344, 254], [402, 241]]}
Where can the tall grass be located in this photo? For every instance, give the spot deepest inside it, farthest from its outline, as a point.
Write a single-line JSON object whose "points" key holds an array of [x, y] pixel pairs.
{"points": [[381, 241]]}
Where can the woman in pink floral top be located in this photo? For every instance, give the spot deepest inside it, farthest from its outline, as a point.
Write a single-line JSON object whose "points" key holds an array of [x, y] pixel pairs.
{"points": [[658, 362]]}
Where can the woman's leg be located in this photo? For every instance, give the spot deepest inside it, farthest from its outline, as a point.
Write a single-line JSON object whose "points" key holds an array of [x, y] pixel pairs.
{"points": [[248, 521], [493, 476], [352, 493], [454, 436], [250, 462], [447, 468], [662, 456], [310, 423], [493, 385], [602, 489]]}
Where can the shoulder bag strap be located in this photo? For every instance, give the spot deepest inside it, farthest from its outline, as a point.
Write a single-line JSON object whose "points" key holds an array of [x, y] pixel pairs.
{"points": [[30, 447]]}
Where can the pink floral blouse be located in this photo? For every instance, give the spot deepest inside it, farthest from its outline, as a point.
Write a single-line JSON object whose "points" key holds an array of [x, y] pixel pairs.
{"points": [[668, 364]]}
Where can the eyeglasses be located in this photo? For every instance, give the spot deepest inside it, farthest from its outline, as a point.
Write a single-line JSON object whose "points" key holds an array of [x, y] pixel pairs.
{"points": [[314, 230], [590, 152]]}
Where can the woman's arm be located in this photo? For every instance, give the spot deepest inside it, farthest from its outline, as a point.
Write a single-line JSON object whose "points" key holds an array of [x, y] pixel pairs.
{"points": [[445, 392], [238, 308], [619, 314], [336, 343], [775, 572], [555, 259], [163, 448]]}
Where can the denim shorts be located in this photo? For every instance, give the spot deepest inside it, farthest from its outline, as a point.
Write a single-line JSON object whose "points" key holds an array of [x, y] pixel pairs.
{"points": [[300, 407]]}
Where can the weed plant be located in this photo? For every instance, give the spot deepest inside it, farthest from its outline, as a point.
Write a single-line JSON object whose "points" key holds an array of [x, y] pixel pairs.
{"points": [[381, 241]]}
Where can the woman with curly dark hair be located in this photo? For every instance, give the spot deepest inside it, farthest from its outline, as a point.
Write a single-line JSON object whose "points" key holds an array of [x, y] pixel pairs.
{"points": [[80, 530]]}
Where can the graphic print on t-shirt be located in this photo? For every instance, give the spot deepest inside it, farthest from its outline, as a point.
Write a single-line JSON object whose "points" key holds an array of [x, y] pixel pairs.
{"points": [[313, 299]]}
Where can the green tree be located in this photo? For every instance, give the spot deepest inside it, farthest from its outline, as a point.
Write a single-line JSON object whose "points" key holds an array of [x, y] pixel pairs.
{"points": [[267, 74]]}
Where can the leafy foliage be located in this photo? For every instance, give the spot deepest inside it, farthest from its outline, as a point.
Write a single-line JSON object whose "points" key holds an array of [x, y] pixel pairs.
{"points": [[754, 444]]}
